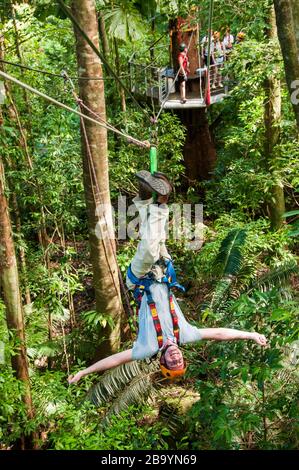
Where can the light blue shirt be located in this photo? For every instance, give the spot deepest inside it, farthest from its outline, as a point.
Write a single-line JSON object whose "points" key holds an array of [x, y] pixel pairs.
{"points": [[146, 344]]}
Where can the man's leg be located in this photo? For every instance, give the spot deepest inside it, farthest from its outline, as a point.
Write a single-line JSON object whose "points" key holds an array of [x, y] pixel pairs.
{"points": [[152, 237], [153, 220]]}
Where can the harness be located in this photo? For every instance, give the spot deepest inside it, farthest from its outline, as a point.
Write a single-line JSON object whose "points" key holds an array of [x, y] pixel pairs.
{"points": [[142, 285]]}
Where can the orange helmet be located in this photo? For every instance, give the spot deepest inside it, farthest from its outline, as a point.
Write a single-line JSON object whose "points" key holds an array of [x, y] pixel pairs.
{"points": [[241, 35], [172, 374]]}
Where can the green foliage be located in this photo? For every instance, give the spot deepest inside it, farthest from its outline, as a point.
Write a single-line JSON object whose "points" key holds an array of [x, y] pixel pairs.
{"points": [[124, 21], [250, 16], [80, 431], [278, 277], [125, 160], [229, 259], [13, 420], [244, 178], [242, 389], [295, 225], [124, 386]]}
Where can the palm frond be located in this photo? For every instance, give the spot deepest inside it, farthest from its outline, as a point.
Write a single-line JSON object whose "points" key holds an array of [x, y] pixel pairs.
{"points": [[136, 392], [278, 277], [220, 293], [113, 382], [227, 264], [229, 259]]}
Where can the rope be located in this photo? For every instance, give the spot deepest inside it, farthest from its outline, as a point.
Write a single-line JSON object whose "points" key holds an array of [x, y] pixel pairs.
{"points": [[52, 74], [130, 139], [176, 77], [98, 53], [97, 198], [158, 40], [83, 105]]}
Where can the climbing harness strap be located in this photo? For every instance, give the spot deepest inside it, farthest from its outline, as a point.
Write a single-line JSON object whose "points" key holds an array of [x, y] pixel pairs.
{"points": [[143, 285]]}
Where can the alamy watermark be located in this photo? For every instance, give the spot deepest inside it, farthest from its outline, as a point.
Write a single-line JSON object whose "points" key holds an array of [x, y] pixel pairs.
{"points": [[150, 221], [295, 94]]}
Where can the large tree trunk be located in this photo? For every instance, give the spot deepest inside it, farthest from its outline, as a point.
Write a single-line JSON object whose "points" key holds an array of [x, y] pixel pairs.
{"points": [[295, 11], [13, 113], [9, 281], [286, 18], [95, 169], [272, 135], [199, 149]]}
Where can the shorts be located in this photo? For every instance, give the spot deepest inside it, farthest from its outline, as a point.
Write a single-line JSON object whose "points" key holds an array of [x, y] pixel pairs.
{"points": [[181, 78]]}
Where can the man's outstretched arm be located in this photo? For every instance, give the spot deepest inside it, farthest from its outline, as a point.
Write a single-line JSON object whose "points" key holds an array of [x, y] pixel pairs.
{"points": [[228, 334], [104, 364]]}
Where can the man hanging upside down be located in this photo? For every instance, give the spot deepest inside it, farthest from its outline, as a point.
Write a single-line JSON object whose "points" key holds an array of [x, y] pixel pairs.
{"points": [[151, 276]]}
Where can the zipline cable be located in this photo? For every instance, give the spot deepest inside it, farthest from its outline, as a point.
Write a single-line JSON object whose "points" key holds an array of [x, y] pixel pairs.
{"points": [[81, 104], [130, 139], [52, 74], [99, 54]]}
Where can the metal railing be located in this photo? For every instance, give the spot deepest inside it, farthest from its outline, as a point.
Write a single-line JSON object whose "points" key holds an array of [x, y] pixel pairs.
{"points": [[157, 82], [147, 80]]}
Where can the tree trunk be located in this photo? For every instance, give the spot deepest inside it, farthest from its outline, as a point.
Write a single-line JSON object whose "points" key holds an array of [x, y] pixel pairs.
{"points": [[295, 11], [103, 35], [272, 134], [23, 144], [120, 88], [9, 281], [199, 149], [285, 20], [95, 172]]}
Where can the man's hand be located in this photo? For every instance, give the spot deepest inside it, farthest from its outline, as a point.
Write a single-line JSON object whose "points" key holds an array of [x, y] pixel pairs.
{"points": [[259, 339], [75, 378]]}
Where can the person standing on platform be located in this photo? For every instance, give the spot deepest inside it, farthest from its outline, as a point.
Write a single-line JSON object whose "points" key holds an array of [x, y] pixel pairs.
{"points": [[183, 62]]}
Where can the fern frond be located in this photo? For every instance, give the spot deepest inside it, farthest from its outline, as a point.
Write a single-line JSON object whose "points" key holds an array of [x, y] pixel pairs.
{"points": [[136, 392], [48, 349], [278, 277], [112, 382], [229, 259], [220, 293]]}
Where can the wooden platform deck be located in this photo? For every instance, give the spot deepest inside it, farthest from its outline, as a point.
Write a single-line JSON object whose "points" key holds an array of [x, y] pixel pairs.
{"points": [[193, 101]]}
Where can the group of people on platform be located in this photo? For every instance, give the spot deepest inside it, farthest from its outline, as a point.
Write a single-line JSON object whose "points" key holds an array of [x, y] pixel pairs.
{"points": [[219, 50], [219, 53]]}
